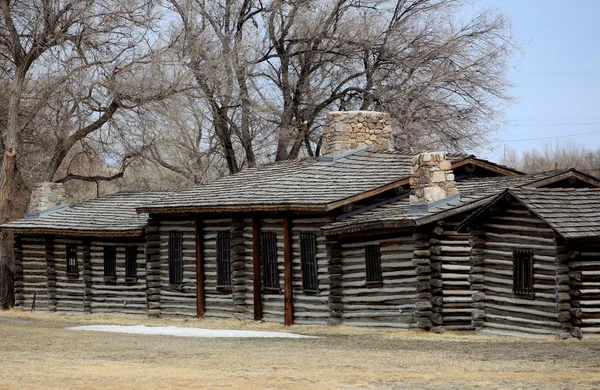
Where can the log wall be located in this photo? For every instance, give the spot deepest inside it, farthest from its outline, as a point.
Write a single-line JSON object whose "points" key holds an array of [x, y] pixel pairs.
{"points": [[453, 254], [70, 290], [547, 313], [219, 302], [179, 299], [117, 295], [310, 308], [391, 304], [272, 300], [584, 280], [32, 273]]}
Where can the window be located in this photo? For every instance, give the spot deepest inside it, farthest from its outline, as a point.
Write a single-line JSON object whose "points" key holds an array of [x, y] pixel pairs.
{"points": [[72, 266], [308, 257], [269, 256], [522, 272], [223, 259], [110, 261], [373, 264], [175, 257], [131, 262]]}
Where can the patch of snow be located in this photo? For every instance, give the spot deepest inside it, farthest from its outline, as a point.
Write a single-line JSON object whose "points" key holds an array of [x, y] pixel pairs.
{"points": [[188, 332]]}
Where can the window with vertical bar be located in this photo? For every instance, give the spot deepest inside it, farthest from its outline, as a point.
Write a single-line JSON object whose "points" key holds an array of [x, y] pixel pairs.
{"points": [[72, 266], [523, 272], [175, 257], [269, 256], [110, 261], [223, 259], [308, 257], [131, 262], [373, 264]]}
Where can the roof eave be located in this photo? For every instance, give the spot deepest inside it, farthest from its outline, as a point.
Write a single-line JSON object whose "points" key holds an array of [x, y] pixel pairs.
{"points": [[76, 232], [366, 226], [234, 208]]}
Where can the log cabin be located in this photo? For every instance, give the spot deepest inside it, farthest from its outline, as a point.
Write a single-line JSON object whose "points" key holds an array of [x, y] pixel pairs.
{"points": [[421, 267], [534, 263], [364, 236], [86, 258], [251, 246]]}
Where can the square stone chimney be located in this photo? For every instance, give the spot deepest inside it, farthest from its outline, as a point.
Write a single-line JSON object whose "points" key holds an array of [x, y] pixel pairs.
{"points": [[46, 198], [348, 130], [432, 182]]}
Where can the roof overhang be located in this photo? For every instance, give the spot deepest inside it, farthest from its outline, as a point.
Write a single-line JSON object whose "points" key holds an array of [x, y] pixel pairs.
{"points": [[487, 200], [75, 232], [317, 207]]}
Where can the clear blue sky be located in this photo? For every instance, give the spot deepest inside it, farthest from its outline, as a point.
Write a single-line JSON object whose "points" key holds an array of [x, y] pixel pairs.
{"points": [[557, 79]]}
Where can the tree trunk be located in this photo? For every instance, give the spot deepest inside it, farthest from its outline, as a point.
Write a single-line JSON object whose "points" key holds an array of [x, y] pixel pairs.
{"points": [[7, 185]]}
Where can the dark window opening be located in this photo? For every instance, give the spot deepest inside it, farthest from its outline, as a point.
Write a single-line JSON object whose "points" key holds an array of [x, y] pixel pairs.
{"points": [[523, 272], [175, 257], [373, 264], [308, 256], [269, 255], [223, 259], [131, 262], [110, 261], [72, 266]]}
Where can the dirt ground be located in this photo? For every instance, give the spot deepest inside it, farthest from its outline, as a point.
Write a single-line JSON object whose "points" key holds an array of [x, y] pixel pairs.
{"points": [[37, 351]]}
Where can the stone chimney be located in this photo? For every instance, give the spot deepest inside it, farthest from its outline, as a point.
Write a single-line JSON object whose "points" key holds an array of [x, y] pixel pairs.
{"points": [[347, 130], [432, 182], [46, 196]]}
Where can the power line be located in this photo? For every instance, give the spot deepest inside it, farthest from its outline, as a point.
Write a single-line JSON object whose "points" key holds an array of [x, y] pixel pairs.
{"points": [[565, 72], [552, 137], [556, 124]]}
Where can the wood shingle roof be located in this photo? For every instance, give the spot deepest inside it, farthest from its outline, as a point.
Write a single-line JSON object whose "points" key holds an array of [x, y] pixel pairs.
{"points": [[308, 184], [110, 215], [572, 213], [475, 192]]}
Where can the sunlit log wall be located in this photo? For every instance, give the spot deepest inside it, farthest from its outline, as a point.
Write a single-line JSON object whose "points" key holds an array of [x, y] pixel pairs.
{"points": [[548, 311]]}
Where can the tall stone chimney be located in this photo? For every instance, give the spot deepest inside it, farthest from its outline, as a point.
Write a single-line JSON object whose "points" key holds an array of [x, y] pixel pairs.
{"points": [[347, 130], [432, 182], [46, 196]]}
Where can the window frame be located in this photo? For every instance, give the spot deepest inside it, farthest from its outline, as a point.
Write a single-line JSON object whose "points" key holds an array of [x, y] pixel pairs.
{"points": [[373, 273], [107, 262], [523, 276], [308, 247], [72, 267], [175, 249], [268, 241], [129, 251], [223, 257]]}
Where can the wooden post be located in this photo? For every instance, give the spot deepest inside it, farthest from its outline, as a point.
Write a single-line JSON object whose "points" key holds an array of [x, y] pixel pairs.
{"points": [[256, 283], [288, 318], [200, 297]]}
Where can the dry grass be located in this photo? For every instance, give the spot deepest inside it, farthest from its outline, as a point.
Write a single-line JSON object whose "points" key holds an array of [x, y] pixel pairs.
{"points": [[38, 352]]}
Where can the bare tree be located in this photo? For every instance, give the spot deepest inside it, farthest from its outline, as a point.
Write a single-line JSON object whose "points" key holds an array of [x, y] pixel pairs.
{"points": [[557, 155], [72, 66]]}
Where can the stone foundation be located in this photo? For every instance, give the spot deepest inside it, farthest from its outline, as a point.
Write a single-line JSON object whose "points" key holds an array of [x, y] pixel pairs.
{"points": [[347, 130]]}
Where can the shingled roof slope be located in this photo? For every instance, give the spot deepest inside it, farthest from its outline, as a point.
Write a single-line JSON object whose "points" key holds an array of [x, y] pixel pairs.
{"points": [[308, 184], [572, 213], [474, 192], [110, 215]]}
